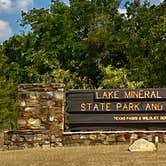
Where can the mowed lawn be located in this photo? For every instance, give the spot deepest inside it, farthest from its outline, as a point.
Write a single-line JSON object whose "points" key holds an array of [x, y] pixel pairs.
{"points": [[112, 155]]}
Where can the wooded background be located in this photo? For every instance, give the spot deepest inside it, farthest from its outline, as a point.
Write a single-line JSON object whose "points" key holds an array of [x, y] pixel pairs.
{"points": [[86, 45]]}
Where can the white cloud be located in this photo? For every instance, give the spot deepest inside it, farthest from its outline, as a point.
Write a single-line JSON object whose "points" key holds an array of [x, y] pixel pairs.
{"points": [[5, 30], [5, 5], [24, 4], [9, 6]]}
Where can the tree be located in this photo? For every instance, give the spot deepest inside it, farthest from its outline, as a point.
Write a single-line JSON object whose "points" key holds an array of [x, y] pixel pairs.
{"points": [[8, 110], [146, 32], [88, 44], [117, 78]]}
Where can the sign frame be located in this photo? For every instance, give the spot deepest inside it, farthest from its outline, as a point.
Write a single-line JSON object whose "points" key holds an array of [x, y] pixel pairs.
{"points": [[103, 107]]}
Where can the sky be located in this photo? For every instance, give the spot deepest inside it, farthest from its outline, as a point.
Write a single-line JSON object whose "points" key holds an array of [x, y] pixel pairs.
{"points": [[10, 14]]}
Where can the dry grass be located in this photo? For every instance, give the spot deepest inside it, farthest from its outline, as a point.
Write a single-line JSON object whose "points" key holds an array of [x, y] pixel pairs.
{"points": [[114, 155], [1, 139]]}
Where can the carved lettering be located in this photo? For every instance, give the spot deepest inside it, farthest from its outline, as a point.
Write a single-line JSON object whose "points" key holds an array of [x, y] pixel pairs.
{"points": [[89, 106], [162, 117], [95, 106], [108, 95], [147, 118], [141, 94], [147, 94], [83, 107], [108, 106], [154, 107], [102, 106], [128, 106]]}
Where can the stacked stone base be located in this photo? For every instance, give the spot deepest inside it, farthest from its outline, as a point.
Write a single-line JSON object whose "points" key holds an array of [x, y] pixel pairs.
{"points": [[23, 139], [111, 137], [44, 139]]}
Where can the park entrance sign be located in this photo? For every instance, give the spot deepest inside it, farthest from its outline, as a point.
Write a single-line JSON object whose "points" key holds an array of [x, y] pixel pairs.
{"points": [[94, 116], [117, 109]]}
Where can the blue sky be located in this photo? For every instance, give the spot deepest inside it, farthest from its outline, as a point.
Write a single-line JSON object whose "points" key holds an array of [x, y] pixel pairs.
{"points": [[10, 14]]}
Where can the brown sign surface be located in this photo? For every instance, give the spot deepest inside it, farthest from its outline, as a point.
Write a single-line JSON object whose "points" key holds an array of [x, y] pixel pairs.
{"points": [[107, 107]]}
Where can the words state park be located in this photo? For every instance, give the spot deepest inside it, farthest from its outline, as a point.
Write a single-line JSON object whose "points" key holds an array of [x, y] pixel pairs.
{"points": [[123, 106]]}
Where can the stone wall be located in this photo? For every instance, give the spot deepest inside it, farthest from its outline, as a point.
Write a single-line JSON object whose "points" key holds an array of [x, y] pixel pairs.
{"points": [[22, 139], [41, 107], [110, 137], [40, 116], [44, 139]]}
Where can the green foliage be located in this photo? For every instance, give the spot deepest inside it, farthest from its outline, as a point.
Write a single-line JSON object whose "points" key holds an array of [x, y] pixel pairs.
{"points": [[117, 78], [146, 33], [8, 112]]}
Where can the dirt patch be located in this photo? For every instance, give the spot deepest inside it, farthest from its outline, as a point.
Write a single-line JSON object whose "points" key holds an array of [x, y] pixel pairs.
{"points": [[113, 155]]}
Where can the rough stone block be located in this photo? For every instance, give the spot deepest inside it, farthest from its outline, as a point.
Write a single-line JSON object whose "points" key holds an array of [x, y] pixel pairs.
{"points": [[141, 135], [58, 139], [34, 123], [127, 136], [55, 109], [160, 137], [101, 137], [164, 138], [28, 138], [134, 136], [110, 138], [33, 95], [38, 137], [47, 95], [21, 123], [59, 117], [67, 140], [75, 137], [92, 137], [31, 109], [59, 96], [142, 145], [32, 102], [149, 137], [86, 142], [120, 138], [53, 138], [20, 139], [14, 138], [22, 103], [83, 137]]}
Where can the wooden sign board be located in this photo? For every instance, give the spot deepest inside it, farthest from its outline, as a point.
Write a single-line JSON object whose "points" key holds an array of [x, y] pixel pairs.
{"points": [[114, 108]]}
